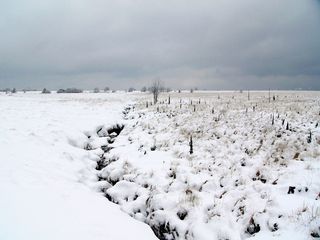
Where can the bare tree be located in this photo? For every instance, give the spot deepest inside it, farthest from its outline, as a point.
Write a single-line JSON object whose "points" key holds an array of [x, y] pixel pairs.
{"points": [[155, 90]]}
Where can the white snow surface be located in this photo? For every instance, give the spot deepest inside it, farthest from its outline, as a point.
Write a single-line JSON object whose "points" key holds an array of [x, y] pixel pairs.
{"points": [[59, 161], [46, 176]]}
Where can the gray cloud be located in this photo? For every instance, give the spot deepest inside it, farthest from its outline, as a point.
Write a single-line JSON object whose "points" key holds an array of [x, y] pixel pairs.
{"points": [[220, 44]]}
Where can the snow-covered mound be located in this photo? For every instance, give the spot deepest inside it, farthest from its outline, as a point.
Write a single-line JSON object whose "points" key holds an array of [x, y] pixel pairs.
{"points": [[254, 171], [45, 171]]}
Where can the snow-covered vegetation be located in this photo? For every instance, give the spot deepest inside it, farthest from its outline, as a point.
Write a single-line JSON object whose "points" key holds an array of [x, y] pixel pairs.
{"points": [[201, 165], [254, 170]]}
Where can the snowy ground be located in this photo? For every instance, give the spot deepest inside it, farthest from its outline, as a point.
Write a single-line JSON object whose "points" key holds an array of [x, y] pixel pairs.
{"points": [[63, 157], [247, 154], [43, 178]]}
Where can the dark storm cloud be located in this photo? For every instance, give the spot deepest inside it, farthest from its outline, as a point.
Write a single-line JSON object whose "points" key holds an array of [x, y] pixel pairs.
{"points": [[218, 44]]}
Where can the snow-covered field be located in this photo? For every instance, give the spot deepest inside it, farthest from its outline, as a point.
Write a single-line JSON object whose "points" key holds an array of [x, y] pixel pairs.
{"points": [[44, 179], [254, 171]]}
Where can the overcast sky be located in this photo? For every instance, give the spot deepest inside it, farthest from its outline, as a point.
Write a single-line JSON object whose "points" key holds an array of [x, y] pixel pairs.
{"points": [[209, 44]]}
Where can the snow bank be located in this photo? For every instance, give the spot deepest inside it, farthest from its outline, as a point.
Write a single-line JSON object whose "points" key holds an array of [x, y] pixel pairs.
{"points": [[45, 170]]}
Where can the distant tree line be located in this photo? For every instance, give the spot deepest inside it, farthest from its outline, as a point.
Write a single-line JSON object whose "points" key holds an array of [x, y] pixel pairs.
{"points": [[155, 88], [70, 90], [9, 90], [97, 90]]}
